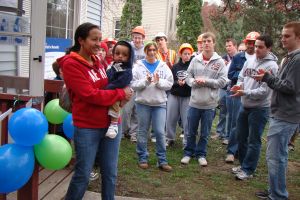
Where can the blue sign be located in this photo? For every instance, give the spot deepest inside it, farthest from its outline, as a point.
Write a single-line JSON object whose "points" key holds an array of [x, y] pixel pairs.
{"points": [[57, 44], [54, 48]]}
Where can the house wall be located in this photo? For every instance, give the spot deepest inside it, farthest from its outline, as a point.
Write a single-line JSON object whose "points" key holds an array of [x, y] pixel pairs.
{"points": [[112, 11], [155, 18]]}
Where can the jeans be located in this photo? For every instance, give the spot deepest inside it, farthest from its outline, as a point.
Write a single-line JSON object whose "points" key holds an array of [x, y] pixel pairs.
{"points": [[249, 129], [89, 142], [157, 115], [233, 106], [193, 148], [278, 138], [129, 120], [221, 126]]}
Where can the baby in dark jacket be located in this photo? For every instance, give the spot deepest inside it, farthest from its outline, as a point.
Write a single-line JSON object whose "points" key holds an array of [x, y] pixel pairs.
{"points": [[119, 76]]}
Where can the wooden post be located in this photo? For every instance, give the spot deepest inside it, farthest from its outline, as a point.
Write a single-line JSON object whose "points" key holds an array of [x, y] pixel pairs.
{"points": [[31, 189], [4, 124], [2, 196]]}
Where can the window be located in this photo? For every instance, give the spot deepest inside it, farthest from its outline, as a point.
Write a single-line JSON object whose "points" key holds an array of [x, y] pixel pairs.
{"points": [[60, 18], [117, 28]]}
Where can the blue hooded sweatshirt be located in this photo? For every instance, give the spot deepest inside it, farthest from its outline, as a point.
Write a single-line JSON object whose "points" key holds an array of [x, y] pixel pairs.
{"points": [[120, 73]]}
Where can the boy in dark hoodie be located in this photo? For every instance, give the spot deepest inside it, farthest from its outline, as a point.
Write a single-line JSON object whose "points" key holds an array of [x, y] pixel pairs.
{"points": [[119, 76]]}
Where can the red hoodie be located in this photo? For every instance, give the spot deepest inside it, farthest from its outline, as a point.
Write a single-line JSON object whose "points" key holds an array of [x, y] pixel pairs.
{"points": [[86, 85]]}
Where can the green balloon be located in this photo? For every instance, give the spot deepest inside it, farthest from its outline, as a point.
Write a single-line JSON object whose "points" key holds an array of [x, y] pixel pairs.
{"points": [[54, 152], [54, 113]]}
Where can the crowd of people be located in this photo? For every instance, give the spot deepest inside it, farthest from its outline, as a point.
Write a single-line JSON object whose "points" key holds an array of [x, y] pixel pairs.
{"points": [[142, 91]]}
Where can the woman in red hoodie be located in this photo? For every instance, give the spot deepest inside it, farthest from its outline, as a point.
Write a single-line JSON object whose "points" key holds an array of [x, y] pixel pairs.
{"points": [[86, 79]]}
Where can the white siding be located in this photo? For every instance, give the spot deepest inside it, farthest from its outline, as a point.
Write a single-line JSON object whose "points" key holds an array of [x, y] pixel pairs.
{"points": [[94, 9], [8, 60], [154, 17], [24, 51], [83, 12]]}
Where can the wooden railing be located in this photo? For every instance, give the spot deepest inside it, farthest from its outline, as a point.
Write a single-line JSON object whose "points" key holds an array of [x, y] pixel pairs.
{"points": [[14, 94]]}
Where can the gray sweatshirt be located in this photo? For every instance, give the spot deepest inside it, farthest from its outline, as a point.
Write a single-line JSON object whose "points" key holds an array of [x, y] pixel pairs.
{"points": [[149, 93], [257, 94], [285, 101], [139, 53], [206, 96]]}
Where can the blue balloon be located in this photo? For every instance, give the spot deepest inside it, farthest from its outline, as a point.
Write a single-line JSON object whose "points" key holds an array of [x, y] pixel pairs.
{"points": [[28, 126], [17, 165], [68, 127]]}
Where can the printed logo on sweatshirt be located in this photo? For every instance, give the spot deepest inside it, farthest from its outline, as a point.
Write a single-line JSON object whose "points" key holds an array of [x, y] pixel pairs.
{"points": [[250, 72], [103, 73], [95, 76], [215, 66], [182, 74], [161, 73]]}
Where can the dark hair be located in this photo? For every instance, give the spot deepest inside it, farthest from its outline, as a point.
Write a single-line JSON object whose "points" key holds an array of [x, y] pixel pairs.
{"points": [[295, 25], [231, 40], [122, 43], [267, 39], [55, 67], [131, 51], [82, 32]]}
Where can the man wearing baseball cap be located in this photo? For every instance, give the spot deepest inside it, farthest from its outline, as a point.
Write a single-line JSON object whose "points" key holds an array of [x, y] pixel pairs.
{"points": [[164, 54], [234, 103]]}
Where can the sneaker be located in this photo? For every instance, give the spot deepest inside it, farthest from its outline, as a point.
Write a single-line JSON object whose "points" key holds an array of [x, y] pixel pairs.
{"points": [[225, 142], [94, 175], [165, 168], [112, 131], [291, 147], [153, 139], [133, 138], [262, 194], [236, 170], [143, 165], [243, 175], [202, 161], [229, 158], [185, 160]]}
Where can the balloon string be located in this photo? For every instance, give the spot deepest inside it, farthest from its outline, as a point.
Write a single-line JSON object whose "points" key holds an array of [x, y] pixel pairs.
{"points": [[15, 102]]}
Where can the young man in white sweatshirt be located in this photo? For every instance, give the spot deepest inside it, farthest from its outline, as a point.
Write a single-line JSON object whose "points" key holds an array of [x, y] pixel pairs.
{"points": [[254, 112], [206, 74]]}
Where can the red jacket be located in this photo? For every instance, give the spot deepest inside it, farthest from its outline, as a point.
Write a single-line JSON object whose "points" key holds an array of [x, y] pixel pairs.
{"points": [[86, 85]]}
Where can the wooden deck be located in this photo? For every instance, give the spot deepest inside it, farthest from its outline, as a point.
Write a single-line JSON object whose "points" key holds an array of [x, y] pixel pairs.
{"points": [[53, 185]]}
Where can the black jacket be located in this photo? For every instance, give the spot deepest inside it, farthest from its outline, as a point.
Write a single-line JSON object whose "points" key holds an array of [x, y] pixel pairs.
{"points": [[179, 70]]}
